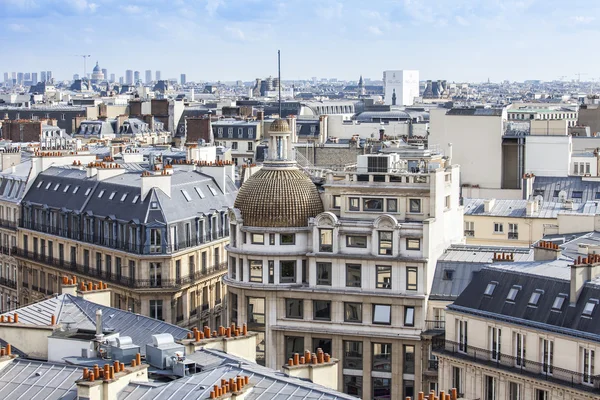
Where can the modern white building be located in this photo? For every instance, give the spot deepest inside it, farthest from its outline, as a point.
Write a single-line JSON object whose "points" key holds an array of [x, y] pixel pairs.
{"points": [[345, 266], [400, 87]]}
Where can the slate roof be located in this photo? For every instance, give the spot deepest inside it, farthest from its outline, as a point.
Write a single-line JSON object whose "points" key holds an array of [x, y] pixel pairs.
{"points": [[518, 208], [478, 112], [568, 320], [369, 116], [548, 187]]}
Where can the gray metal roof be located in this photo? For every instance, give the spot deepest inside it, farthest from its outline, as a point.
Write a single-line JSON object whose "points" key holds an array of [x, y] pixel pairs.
{"points": [[32, 380], [578, 189], [518, 208], [484, 112], [368, 116]]}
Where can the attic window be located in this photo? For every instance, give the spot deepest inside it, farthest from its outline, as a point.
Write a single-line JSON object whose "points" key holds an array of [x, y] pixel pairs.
{"points": [[538, 192], [558, 303], [124, 197], [112, 195], [154, 205], [535, 298], [512, 294], [39, 184], [212, 190], [87, 191], [186, 195], [66, 188], [101, 193], [56, 187], [597, 196], [577, 194], [448, 274], [199, 192], [556, 192], [48, 185], [135, 198], [588, 310], [76, 189], [489, 290]]}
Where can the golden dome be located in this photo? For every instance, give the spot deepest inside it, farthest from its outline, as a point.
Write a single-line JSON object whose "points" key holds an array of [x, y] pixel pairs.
{"points": [[278, 198], [280, 125]]}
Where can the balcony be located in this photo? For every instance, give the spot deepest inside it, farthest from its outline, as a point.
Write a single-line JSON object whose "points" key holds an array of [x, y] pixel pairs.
{"points": [[469, 233], [118, 279], [8, 283], [435, 326], [8, 224], [432, 365], [521, 366]]}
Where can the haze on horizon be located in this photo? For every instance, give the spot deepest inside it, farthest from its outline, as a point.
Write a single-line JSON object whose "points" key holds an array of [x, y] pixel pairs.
{"points": [[209, 40]]}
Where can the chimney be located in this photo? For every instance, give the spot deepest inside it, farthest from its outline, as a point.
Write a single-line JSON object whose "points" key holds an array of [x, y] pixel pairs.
{"points": [[488, 205], [96, 293], [317, 367], [99, 334], [528, 180], [531, 207], [69, 285], [546, 251], [234, 340], [583, 270], [106, 383], [161, 180]]}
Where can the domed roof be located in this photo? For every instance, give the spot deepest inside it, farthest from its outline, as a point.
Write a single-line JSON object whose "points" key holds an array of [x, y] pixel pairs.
{"points": [[280, 125], [278, 198], [97, 68]]}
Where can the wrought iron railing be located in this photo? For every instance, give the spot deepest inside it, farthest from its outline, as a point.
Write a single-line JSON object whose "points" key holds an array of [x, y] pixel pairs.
{"points": [[8, 283], [435, 325]]}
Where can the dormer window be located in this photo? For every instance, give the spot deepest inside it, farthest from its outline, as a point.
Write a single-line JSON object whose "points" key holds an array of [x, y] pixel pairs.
{"points": [[588, 310], [558, 303], [512, 294], [489, 290], [535, 298], [448, 274]]}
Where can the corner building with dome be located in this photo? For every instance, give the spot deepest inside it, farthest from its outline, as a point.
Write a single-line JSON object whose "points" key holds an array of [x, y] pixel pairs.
{"points": [[345, 266]]}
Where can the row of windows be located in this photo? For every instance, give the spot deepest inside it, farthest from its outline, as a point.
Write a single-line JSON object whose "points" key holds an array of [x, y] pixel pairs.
{"points": [[240, 132], [234, 146], [375, 204], [353, 312], [385, 242], [513, 229]]}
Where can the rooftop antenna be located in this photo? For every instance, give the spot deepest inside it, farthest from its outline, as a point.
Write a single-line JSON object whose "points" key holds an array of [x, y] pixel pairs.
{"points": [[279, 75]]}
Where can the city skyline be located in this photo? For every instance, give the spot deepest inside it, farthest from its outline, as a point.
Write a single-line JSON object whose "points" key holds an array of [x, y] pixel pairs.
{"points": [[462, 41]]}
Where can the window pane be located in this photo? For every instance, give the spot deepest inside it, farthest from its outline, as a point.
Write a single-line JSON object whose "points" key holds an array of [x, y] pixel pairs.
{"points": [[384, 277], [415, 205], [257, 238], [288, 271], [326, 240], [353, 312], [323, 344], [353, 355], [353, 275], [256, 312], [409, 316], [324, 274], [385, 243], [256, 271], [382, 357], [322, 310], [288, 239], [413, 244], [382, 314], [382, 388], [392, 205], [354, 204], [411, 278], [294, 308], [372, 204], [293, 345], [356, 241], [353, 385]]}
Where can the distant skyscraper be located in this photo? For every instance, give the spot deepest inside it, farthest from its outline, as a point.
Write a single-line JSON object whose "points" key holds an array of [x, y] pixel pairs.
{"points": [[148, 77], [43, 76], [34, 78], [49, 75], [105, 73], [400, 87], [27, 76], [6, 77], [121, 80], [157, 76], [112, 77], [129, 77], [75, 77], [136, 77], [19, 78], [183, 79]]}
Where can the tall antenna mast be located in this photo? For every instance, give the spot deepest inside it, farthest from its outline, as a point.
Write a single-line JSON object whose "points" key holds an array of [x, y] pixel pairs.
{"points": [[279, 75]]}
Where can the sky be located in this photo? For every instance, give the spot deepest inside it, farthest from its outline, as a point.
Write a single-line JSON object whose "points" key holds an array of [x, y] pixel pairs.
{"points": [[211, 40]]}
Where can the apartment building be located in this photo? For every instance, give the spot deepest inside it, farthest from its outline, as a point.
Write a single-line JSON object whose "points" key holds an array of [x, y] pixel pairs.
{"points": [[346, 268], [243, 137], [526, 330], [155, 233]]}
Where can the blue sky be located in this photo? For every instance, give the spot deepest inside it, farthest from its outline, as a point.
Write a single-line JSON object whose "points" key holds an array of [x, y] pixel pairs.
{"points": [[457, 40]]}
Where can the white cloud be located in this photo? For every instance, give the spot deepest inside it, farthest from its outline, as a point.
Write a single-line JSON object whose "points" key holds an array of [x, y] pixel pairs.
{"points": [[132, 9], [212, 6], [374, 30], [236, 33], [461, 21], [18, 28], [582, 19], [331, 12]]}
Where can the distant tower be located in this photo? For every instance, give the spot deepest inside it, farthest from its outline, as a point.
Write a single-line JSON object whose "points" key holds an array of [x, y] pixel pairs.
{"points": [[361, 87], [394, 98]]}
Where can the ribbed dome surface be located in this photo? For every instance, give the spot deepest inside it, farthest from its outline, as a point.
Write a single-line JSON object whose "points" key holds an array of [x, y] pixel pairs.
{"points": [[278, 198], [280, 125]]}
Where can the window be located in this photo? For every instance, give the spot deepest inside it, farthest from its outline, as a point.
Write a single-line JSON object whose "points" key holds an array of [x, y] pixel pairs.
{"points": [[324, 274], [447, 202], [156, 309], [383, 277], [257, 238], [414, 206], [234, 306], [100, 194], [272, 239], [326, 240], [382, 388], [535, 298], [515, 391], [271, 271], [186, 195], [411, 278], [337, 201], [513, 292], [250, 146], [322, 310], [287, 239], [448, 274], [372, 204], [287, 273], [255, 270], [293, 345], [498, 227], [469, 228], [353, 355], [489, 290], [232, 266], [541, 394], [392, 205], [413, 244], [353, 312], [234, 146], [409, 359], [155, 274], [588, 310], [256, 312], [513, 231], [547, 354], [558, 303], [587, 357], [155, 241], [354, 204], [495, 340], [409, 316], [382, 357], [490, 388], [382, 314], [353, 275], [323, 344], [356, 241], [294, 308], [457, 379], [520, 349], [577, 194], [385, 243], [197, 189], [461, 334]]}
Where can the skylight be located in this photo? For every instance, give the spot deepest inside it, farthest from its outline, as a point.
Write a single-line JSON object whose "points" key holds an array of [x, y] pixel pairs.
{"points": [[135, 198], [66, 188], [186, 195], [101, 193], [558, 303], [48, 185], [76, 189], [124, 197], [489, 290], [56, 187], [512, 294], [199, 192], [87, 191], [212, 190], [448, 274], [39, 184], [535, 297], [112, 195], [589, 308]]}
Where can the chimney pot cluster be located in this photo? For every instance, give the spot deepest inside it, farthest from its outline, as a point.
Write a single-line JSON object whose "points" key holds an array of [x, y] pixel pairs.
{"points": [[83, 287], [198, 335], [453, 395], [309, 358], [530, 175], [101, 165], [53, 153], [10, 319], [229, 386], [69, 281], [590, 259], [542, 244], [5, 351], [504, 257]]}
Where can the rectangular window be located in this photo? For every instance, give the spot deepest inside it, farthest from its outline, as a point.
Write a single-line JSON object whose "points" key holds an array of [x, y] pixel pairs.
{"points": [[409, 316], [515, 391], [353, 275], [490, 388], [353, 312], [337, 202], [272, 239], [293, 345], [156, 241], [385, 243], [326, 240], [287, 272], [271, 271], [256, 312], [304, 272], [498, 227], [353, 385], [233, 267], [541, 395], [409, 359], [457, 380], [234, 306], [520, 349], [382, 314], [322, 310], [372, 204], [384, 277], [495, 340], [354, 204], [287, 239], [587, 357], [323, 344], [156, 309], [461, 334], [155, 274], [382, 388], [392, 205], [353, 355], [513, 231], [547, 354], [324, 274], [356, 241], [241, 262], [257, 238], [294, 308], [382, 357], [255, 270], [414, 206], [447, 202], [413, 244], [469, 228], [411, 278]]}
